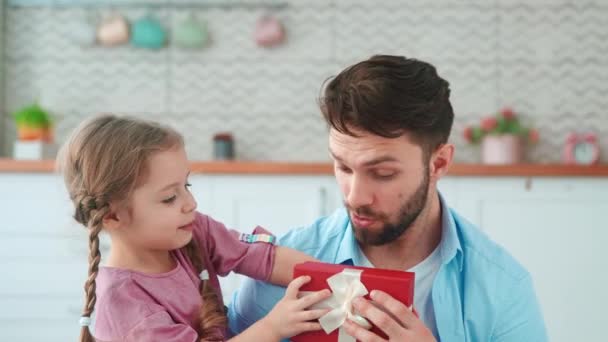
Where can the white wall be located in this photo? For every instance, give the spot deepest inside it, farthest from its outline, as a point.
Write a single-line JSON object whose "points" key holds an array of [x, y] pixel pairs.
{"points": [[546, 58]]}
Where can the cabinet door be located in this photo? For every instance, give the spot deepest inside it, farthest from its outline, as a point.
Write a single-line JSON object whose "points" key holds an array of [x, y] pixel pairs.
{"points": [[43, 258], [277, 203], [557, 229]]}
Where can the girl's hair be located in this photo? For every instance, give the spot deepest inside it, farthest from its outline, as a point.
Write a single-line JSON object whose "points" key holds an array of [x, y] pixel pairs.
{"points": [[103, 161]]}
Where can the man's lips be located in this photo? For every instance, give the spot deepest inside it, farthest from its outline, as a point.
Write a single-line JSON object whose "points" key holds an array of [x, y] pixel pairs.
{"points": [[362, 221]]}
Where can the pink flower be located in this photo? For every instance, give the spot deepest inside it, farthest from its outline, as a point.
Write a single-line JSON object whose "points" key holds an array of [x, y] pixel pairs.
{"points": [[488, 124], [468, 134], [508, 113], [533, 136]]}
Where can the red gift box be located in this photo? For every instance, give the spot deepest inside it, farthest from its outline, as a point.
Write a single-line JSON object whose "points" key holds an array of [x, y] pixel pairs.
{"points": [[398, 284]]}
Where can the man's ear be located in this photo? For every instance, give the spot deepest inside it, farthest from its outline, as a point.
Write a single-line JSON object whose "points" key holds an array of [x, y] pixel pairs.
{"points": [[441, 159]]}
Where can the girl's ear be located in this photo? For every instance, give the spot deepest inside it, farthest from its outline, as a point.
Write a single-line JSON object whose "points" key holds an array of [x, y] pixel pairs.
{"points": [[114, 219]]}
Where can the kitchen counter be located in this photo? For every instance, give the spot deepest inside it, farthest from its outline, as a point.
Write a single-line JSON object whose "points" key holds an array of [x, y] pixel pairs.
{"points": [[305, 168]]}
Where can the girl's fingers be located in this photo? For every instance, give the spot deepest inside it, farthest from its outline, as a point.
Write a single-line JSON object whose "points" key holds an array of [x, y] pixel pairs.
{"points": [[311, 315], [312, 298], [294, 286], [308, 326]]}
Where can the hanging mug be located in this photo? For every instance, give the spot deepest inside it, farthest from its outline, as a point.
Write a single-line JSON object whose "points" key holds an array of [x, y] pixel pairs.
{"points": [[269, 31], [148, 33], [190, 33], [113, 30]]}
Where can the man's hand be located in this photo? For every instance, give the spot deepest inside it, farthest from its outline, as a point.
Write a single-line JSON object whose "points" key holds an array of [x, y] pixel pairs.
{"points": [[396, 320]]}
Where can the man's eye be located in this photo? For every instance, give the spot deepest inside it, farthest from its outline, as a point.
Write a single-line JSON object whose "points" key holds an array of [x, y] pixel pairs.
{"points": [[344, 169], [384, 175]]}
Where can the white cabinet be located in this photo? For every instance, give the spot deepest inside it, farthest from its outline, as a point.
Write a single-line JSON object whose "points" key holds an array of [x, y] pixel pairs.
{"points": [[278, 203], [557, 229], [554, 226], [43, 258]]}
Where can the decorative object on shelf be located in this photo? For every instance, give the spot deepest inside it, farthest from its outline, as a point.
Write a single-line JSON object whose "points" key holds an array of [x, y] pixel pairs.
{"points": [[34, 133], [148, 33], [269, 31], [113, 30], [223, 146], [182, 4], [502, 138], [190, 33], [582, 149]]}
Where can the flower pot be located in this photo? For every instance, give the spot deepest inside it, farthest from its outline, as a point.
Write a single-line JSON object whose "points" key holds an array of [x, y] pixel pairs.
{"points": [[502, 149], [34, 150]]}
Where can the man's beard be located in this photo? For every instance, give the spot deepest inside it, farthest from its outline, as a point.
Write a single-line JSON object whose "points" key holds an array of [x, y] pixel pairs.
{"points": [[390, 232]]}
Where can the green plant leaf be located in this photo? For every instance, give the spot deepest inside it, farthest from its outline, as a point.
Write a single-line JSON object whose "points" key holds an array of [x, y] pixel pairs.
{"points": [[32, 116], [503, 126], [514, 127], [477, 135]]}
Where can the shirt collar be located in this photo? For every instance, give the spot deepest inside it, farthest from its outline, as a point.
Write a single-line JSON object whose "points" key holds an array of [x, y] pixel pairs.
{"points": [[450, 247], [348, 249]]}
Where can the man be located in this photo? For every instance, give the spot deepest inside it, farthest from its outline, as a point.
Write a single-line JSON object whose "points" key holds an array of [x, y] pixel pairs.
{"points": [[390, 118]]}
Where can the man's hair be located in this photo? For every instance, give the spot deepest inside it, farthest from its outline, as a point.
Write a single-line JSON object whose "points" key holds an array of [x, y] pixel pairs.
{"points": [[390, 96]]}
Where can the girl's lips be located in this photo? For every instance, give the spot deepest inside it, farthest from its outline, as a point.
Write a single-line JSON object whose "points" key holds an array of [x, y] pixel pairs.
{"points": [[361, 221], [188, 227]]}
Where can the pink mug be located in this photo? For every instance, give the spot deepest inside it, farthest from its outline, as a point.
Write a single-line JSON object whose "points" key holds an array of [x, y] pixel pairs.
{"points": [[269, 31], [113, 30]]}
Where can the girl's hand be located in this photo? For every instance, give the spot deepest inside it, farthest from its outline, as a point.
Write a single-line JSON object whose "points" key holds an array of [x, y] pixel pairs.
{"points": [[290, 316]]}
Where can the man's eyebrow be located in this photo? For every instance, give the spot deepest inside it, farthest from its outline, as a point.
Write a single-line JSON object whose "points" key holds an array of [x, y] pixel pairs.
{"points": [[379, 160], [372, 162]]}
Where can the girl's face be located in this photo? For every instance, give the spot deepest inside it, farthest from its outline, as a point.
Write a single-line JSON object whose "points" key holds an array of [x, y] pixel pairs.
{"points": [[162, 209]]}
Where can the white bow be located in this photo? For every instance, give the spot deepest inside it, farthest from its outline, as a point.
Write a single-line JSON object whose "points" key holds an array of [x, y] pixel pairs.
{"points": [[346, 286]]}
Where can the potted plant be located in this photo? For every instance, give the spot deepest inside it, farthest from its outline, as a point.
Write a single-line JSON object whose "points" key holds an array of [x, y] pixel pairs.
{"points": [[34, 133], [502, 137]]}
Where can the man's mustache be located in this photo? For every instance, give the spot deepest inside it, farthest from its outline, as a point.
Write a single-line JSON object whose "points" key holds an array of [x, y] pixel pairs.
{"points": [[364, 211]]}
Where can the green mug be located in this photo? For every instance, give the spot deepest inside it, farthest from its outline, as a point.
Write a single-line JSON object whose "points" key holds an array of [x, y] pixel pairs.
{"points": [[190, 33], [148, 33]]}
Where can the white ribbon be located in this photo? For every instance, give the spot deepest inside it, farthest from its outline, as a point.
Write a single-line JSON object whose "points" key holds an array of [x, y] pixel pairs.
{"points": [[345, 287]]}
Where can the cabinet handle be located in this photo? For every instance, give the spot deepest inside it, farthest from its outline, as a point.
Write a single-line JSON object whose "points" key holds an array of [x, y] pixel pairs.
{"points": [[323, 201]]}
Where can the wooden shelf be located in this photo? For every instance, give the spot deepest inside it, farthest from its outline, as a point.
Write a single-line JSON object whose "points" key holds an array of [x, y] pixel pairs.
{"points": [[301, 168], [529, 170]]}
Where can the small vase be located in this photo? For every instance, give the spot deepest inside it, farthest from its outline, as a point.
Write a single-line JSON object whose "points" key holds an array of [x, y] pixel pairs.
{"points": [[34, 150], [502, 149]]}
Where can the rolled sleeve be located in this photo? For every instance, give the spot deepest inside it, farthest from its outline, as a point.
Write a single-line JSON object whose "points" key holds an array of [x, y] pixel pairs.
{"points": [[228, 253]]}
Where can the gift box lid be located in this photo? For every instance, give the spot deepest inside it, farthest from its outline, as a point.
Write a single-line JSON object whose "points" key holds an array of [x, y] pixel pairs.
{"points": [[326, 270]]}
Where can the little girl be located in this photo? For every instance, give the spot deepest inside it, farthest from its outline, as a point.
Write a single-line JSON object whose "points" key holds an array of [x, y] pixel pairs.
{"points": [[129, 177]]}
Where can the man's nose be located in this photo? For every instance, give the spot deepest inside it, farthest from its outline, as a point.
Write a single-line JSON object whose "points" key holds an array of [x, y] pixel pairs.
{"points": [[359, 194]]}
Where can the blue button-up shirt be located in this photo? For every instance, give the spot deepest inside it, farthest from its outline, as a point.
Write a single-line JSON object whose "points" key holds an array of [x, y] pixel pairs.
{"points": [[481, 293]]}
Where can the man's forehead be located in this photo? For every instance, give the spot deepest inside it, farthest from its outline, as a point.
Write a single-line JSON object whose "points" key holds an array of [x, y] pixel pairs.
{"points": [[366, 140], [370, 149]]}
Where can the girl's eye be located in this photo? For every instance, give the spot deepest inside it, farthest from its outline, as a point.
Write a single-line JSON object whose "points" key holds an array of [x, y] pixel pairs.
{"points": [[169, 200]]}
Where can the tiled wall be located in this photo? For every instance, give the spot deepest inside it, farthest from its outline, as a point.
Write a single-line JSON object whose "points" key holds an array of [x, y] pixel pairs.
{"points": [[546, 58]]}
